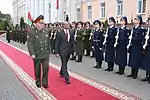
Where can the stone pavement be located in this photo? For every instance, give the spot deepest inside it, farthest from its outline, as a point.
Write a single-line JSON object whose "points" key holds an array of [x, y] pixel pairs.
{"points": [[128, 85], [10, 86]]}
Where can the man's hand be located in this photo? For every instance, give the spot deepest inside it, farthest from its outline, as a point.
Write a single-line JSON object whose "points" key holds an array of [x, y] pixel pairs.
{"points": [[33, 56], [57, 55]]}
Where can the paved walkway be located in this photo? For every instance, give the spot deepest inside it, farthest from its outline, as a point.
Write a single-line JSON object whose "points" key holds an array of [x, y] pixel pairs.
{"points": [[10, 87], [128, 85]]}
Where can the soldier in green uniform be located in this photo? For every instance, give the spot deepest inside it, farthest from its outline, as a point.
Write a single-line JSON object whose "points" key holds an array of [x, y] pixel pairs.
{"points": [[79, 41], [39, 49], [86, 40], [8, 35]]}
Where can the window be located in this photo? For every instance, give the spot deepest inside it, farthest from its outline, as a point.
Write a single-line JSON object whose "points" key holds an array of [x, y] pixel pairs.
{"points": [[102, 10], [89, 12], [78, 14], [141, 6], [119, 7]]}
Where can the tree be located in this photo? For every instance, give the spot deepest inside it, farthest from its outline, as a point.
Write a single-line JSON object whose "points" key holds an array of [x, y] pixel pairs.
{"points": [[22, 23], [5, 20], [5, 25]]}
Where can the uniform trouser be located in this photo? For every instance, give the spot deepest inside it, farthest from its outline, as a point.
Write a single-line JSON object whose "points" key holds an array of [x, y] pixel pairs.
{"points": [[147, 73], [37, 70], [134, 72], [110, 66], [121, 69], [64, 71]]}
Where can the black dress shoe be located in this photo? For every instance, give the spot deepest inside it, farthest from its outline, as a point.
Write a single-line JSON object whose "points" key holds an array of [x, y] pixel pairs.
{"points": [[78, 61], [117, 72], [149, 81], [134, 77], [38, 85], [67, 81], [145, 79], [130, 75], [45, 86], [107, 69], [97, 66], [73, 58]]}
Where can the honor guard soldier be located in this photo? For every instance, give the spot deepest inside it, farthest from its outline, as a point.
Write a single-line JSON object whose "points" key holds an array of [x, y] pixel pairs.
{"points": [[39, 49], [121, 45], [91, 42], [86, 40], [110, 40], [79, 41], [8, 34], [98, 43], [24, 35], [73, 30], [135, 47], [53, 39], [146, 57]]}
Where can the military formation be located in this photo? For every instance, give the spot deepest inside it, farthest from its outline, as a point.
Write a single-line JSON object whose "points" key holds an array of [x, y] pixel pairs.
{"points": [[114, 44], [17, 34]]}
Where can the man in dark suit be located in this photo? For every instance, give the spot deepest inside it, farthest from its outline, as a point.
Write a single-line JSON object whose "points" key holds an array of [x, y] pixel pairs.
{"points": [[64, 40]]}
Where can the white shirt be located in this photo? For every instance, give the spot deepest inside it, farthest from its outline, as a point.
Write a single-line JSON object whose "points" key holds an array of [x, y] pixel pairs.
{"points": [[67, 31]]}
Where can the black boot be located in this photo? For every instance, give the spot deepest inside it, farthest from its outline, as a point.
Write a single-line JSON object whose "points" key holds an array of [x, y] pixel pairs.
{"points": [[132, 73], [79, 59], [135, 73], [149, 80], [121, 70], [98, 65], [110, 67], [73, 57]]}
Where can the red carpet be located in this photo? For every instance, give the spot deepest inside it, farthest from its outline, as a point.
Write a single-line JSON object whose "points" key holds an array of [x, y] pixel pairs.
{"points": [[77, 90]]}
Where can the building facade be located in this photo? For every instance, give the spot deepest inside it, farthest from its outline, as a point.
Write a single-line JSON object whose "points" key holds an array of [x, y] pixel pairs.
{"points": [[84, 10], [102, 9]]}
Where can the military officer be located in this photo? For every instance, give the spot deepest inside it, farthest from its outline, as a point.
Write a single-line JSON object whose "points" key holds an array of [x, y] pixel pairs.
{"points": [[39, 49], [110, 40], [98, 43], [79, 41], [86, 40], [136, 46], [146, 57], [121, 45]]}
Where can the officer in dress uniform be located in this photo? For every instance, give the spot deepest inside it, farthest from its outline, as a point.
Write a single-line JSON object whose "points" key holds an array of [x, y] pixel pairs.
{"points": [[136, 47], [98, 43], [39, 49], [146, 57], [86, 40], [110, 50], [121, 45], [79, 41]]}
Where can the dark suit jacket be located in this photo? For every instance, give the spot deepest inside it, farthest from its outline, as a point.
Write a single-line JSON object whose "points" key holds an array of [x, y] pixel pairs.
{"points": [[62, 46]]}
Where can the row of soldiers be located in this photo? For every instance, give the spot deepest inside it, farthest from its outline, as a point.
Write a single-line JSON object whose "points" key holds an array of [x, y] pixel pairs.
{"points": [[117, 42], [17, 34], [111, 45]]}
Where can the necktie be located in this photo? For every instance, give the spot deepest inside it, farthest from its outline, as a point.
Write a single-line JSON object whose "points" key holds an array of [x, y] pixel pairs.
{"points": [[67, 35]]}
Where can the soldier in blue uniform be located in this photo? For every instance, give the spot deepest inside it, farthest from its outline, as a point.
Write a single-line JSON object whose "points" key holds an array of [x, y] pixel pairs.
{"points": [[146, 57], [121, 45], [98, 43], [136, 47], [110, 40]]}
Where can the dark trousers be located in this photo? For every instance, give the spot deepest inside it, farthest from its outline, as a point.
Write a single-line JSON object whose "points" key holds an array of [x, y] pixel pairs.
{"points": [[134, 72], [147, 73], [121, 69], [110, 66], [37, 70], [64, 71]]}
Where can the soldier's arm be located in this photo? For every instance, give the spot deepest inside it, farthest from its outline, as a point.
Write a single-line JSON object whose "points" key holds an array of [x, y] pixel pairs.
{"points": [[30, 44], [57, 43]]}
